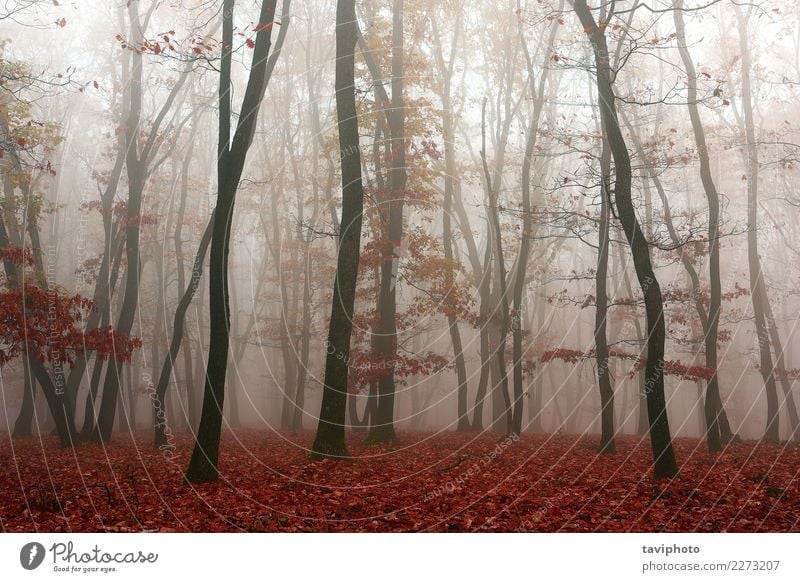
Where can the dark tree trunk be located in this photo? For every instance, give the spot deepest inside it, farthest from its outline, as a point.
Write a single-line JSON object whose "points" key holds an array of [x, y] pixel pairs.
{"points": [[382, 429], [758, 292], [607, 444], [232, 154], [665, 465], [135, 165], [713, 401], [329, 441], [23, 426], [178, 330]]}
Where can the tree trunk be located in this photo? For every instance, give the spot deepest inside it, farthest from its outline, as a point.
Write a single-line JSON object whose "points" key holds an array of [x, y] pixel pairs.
{"points": [[664, 462], [232, 154], [329, 441], [135, 165], [178, 331], [607, 444], [496, 238], [713, 401], [448, 136], [758, 292], [780, 361], [23, 426], [382, 429]]}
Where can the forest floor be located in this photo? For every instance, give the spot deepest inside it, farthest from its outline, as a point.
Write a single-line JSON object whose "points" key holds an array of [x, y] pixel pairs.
{"points": [[426, 482]]}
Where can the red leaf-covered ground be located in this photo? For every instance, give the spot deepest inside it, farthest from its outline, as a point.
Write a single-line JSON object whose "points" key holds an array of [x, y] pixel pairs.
{"points": [[442, 482]]}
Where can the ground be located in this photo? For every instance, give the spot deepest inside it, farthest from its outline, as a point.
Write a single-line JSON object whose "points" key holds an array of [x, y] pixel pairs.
{"points": [[426, 482]]}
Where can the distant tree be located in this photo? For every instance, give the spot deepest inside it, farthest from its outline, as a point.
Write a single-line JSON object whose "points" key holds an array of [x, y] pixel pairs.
{"points": [[141, 157], [382, 423], [762, 310]]}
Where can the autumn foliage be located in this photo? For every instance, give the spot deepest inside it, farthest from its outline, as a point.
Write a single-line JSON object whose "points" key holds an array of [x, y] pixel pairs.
{"points": [[670, 367], [452, 482], [49, 323]]}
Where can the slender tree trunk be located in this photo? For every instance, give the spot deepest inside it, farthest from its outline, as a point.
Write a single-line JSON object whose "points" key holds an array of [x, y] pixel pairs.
{"points": [[758, 290], [607, 444], [178, 331], [135, 163], [448, 136], [484, 291], [517, 330], [382, 430], [305, 339], [496, 239], [232, 154], [447, 234], [665, 465], [780, 361], [186, 343], [329, 441], [535, 407]]}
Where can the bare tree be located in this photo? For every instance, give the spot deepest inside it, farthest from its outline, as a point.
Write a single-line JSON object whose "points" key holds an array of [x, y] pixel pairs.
{"points": [[231, 157], [329, 441], [664, 462]]}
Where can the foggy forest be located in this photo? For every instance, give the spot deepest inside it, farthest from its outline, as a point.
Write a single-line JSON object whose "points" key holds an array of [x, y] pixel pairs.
{"points": [[399, 265]]}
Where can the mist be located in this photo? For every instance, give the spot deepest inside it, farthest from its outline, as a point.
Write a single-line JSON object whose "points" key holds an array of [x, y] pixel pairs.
{"points": [[342, 228]]}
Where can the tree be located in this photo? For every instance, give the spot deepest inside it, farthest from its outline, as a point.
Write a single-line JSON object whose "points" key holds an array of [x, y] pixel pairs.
{"points": [[495, 232], [382, 424], [231, 157], [139, 164], [517, 331], [607, 444], [664, 463], [329, 441], [758, 292], [713, 404], [448, 136]]}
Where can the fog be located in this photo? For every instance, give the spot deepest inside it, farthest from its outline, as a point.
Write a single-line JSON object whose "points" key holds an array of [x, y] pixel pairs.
{"points": [[480, 126]]}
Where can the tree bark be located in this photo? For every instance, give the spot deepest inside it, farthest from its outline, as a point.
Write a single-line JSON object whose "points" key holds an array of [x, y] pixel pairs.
{"points": [[607, 444], [382, 429], [232, 154], [713, 402], [448, 136], [329, 441], [664, 463], [758, 292]]}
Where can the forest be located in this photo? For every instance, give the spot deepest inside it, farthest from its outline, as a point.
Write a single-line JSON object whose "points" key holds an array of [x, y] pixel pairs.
{"points": [[399, 266]]}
